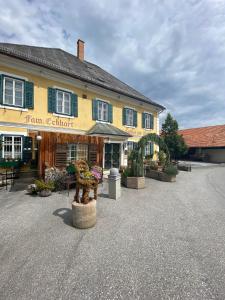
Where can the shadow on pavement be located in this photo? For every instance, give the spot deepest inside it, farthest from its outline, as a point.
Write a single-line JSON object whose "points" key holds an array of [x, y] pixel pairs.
{"points": [[65, 214]]}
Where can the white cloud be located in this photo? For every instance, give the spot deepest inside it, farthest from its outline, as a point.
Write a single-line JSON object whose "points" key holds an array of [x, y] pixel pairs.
{"points": [[172, 51]]}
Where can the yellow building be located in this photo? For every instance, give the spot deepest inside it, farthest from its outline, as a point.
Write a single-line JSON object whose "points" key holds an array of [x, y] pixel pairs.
{"points": [[56, 107]]}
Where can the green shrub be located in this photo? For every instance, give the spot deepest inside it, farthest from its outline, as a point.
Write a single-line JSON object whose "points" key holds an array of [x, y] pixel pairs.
{"points": [[71, 169], [41, 185], [171, 170]]}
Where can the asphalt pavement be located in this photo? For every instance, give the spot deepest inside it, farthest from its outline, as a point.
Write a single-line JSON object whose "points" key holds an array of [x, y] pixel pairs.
{"points": [[166, 241]]}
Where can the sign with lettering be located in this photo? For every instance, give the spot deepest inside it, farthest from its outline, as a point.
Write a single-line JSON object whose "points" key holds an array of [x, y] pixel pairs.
{"points": [[29, 119]]}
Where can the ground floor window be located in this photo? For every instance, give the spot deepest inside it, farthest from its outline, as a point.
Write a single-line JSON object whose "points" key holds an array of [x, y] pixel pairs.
{"points": [[131, 146], [12, 147], [149, 149], [77, 152]]}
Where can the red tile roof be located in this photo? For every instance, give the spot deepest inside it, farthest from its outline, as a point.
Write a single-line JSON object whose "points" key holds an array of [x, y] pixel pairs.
{"points": [[211, 136]]}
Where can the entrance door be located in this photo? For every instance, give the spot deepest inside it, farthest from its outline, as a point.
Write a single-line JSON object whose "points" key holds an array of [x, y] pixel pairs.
{"points": [[112, 156]]}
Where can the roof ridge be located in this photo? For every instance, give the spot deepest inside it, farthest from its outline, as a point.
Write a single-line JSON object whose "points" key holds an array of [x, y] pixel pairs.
{"points": [[210, 126]]}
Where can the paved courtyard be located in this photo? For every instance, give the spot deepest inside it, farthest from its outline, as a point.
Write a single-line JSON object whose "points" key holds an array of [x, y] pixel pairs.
{"points": [[164, 242]]}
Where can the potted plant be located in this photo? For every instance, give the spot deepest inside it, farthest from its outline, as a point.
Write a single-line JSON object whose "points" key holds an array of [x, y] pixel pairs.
{"points": [[44, 189], [84, 206], [169, 173], [133, 176]]}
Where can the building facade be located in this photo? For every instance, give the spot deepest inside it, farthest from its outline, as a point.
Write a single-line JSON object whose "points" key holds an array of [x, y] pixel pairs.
{"points": [[205, 143], [55, 108]]}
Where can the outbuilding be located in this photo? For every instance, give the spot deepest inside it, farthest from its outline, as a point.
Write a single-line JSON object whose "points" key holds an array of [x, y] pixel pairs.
{"points": [[205, 143]]}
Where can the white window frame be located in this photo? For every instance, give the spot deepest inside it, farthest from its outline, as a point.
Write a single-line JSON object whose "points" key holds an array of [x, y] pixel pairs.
{"points": [[63, 103], [14, 91], [148, 149], [13, 146], [148, 121], [129, 117], [103, 107], [77, 150]]}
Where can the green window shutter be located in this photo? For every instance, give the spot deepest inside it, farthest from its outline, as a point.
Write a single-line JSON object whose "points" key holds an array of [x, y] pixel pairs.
{"points": [[135, 118], [110, 113], [1, 146], [51, 100], [151, 122], [124, 116], [94, 109], [29, 95], [27, 148], [1, 89], [151, 148], [143, 120], [74, 105]]}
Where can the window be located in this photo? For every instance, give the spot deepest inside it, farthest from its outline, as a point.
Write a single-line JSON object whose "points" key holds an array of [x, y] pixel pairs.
{"points": [[148, 149], [103, 111], [77, 151], [148, 121], [12, 147], [63, 103], [129, 117], [13, 92], [131, 146]]}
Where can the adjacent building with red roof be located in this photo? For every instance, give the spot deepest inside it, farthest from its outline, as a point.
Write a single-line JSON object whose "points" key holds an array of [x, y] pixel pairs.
{"points": [[206, 143]]}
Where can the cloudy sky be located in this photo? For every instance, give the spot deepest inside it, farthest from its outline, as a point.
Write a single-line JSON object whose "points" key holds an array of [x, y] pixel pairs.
{"points": [[173, 51]]}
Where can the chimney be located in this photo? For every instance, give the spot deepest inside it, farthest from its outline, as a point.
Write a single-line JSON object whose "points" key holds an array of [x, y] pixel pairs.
{"points": [[80, 49]]}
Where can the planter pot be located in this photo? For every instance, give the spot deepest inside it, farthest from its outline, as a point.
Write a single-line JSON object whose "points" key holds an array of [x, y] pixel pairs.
{"points": [[158, 175], [44, 193], [167, 178], [84, 215], [184, 167], [135, 182]]}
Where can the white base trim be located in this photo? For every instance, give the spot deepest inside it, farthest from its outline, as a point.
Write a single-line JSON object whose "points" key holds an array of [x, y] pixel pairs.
{"points": [[13, 108], [43, 128], [63, 116], [14, 132]]}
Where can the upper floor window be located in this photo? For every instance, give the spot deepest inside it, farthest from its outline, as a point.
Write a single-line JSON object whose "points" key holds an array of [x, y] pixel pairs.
{"points": [[12, 147], [129, 117], [63, 103], [147, 121], [103, 111], [13, 92]]}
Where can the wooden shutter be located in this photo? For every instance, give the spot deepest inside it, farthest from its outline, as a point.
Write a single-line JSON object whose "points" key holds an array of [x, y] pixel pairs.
{"points": [[51, 100], [74, 105], [151, 121], [61, 155], [94, 109], [1, 89], [27, 148], [92, 154], [135, 118], [143, 120], [110, 108], [29, 95], [124, 116]]}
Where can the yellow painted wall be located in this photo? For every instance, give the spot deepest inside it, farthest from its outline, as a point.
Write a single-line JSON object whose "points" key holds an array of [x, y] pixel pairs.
{"points": [[40, 116]]}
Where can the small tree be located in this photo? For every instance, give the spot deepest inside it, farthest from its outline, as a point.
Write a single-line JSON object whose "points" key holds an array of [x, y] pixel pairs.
{"points": [[174, 141]]}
